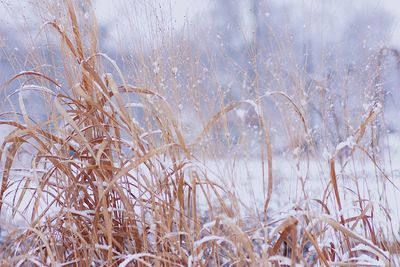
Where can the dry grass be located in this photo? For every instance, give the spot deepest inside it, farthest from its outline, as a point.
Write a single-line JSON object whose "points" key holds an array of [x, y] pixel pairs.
{"points": [[104, 190]]}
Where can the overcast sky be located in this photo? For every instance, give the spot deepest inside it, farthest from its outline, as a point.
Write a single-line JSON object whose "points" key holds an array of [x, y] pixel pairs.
{"points": [[339, 10], [109, 12]]}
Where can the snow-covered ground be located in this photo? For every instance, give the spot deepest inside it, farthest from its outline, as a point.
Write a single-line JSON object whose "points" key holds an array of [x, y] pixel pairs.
{"points": [[244, 177], [298, 182]]}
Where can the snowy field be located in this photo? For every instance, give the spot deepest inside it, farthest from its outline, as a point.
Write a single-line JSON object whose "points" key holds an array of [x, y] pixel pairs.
{"points": [[296, 183], [174, 133]]}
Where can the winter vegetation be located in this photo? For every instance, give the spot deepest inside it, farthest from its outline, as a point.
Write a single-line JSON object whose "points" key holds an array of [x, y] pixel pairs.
{"points": [[250, 133]]}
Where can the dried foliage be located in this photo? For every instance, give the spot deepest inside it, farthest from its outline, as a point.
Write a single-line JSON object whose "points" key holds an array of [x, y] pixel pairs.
{"points": [[103, 190]]}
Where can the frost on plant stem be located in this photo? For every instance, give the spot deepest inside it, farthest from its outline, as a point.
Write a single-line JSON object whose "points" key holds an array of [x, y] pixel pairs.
{"points": [[349, 142]]}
